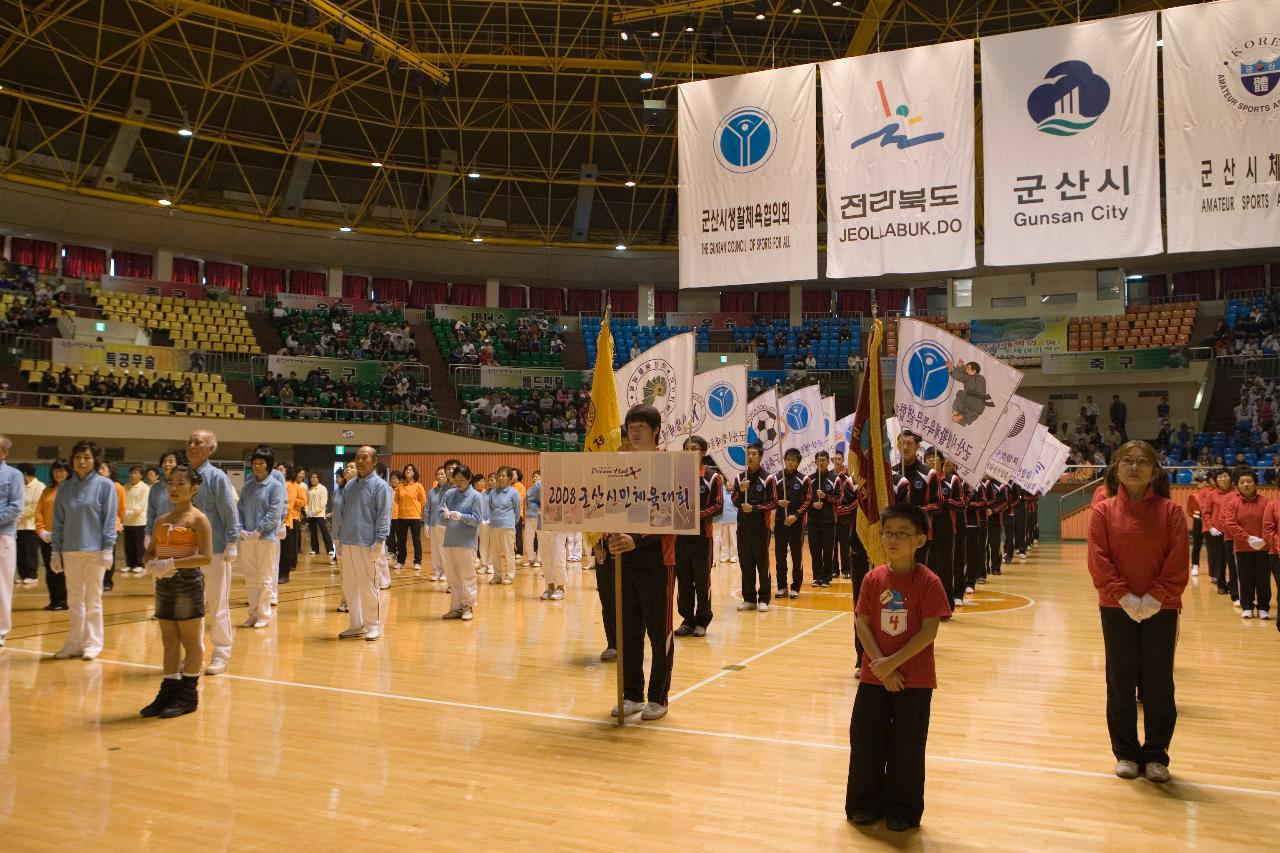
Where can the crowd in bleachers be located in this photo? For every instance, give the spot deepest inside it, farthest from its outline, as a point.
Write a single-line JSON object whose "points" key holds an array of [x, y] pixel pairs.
{"points": [[828, 343], [630, 338], [339, 332], [96, 389], [315, 396], [560, 414], [1250, 327], [27, 301], [534, 340]]}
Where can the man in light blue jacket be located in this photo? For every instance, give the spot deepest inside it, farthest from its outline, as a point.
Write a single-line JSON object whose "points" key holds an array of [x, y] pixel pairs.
{"points": [[217, 500], [12, 494], [261, 510], [365, 525]]}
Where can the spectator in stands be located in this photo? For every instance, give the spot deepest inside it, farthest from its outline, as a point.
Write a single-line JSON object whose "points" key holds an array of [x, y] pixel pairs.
{"points": [[1162, 409], [1119, 413], [1090, 412], [811, 362], [500, 412]]}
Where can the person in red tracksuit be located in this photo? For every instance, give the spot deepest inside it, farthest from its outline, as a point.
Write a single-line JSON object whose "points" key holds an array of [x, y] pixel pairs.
{"points": [[1138, 557], [1242, 521], [976, 502], [694, 553], [953, 500], [1222, 561], [1271, 532], [1197, 526], [995, 522]]}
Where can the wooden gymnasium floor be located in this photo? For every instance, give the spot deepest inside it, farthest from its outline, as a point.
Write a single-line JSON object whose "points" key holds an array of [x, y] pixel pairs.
{"points": [[495, 735]]}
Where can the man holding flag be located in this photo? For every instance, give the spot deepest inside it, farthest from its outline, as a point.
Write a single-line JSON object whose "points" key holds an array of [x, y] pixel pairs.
{"points": [[604, 435]]}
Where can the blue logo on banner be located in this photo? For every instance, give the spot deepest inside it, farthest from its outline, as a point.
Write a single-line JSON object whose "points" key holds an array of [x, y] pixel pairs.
{"points": [[737, 455], [928, 371], [745, 139], [1071, 101], [797, 417], [721, 400]]}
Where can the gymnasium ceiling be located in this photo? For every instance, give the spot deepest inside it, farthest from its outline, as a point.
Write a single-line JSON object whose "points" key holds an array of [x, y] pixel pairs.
{"points": [[524, 92]]}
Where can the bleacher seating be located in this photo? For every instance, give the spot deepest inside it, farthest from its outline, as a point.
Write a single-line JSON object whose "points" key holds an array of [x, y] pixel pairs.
{"points": [[960, 330], [8, 299], [627, 332], [191, 323], [829, 350], [1140, 326], [313, 331], [211, 399], [446, 340]]}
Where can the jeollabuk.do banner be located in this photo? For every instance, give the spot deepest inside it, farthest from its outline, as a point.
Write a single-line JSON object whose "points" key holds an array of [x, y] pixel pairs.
{"points": [[662, 377], [898, 136], [1069, 137], [1023, 415], [804, 426], [764, 426], [749, 179], [953, 395], [1221, 125]]}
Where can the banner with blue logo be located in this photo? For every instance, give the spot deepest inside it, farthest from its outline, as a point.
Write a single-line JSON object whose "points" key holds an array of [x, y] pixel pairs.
{"points": [[720, 416], [748, 179], [764, 426], [829, 428], [804, 425], [662, 377], [1029, 469], [1070, 143], [843, 435], [952, 394], [1021, 418], [1222, 123], [898, 137]]}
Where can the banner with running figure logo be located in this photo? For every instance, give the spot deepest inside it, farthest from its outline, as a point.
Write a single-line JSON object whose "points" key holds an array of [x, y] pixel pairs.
{"points": [[719, 416], [953, 395], [662, 377], [804, 425], [829, 427], [764, 426], [749, 179], [1021, 416], [898, 136], [1221, 125], [1070, 143]]}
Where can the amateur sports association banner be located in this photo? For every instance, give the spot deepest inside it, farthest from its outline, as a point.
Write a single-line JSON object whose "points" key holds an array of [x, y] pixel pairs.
{"points": [[662, 377], [620, 492], [125, 356], [898, 136], [804, 427], [748, 178], [720, 417], [953, 395], [1221, 125], [1025, 415], [843, 435], [1070, 145], [1023, 337], [764, 426]]}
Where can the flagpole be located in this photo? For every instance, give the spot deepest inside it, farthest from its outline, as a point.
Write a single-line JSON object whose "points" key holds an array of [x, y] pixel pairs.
{"points": [[617, 594]]}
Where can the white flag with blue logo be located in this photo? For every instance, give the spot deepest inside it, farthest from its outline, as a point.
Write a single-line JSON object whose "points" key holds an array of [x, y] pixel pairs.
{"points": [[829, 414], [898, 137], [843, 436], [764, 426], [1071, 164], [804, 424], [662, 377], [1021, 418], [953, 395], [720, 417], [748, 186], [1053, 461], [1221, 125], [1026, 475]]}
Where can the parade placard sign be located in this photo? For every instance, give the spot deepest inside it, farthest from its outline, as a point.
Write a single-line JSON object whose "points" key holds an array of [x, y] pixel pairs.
{"points": [[620, 492]]}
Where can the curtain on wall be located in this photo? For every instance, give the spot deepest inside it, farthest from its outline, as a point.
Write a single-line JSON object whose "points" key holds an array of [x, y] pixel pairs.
{"points": [[425, 293], [738, 301], [919, 300], [624, 301], [355, 286], [547, 299], [391, 290], [84, 262], [665, 300], [186, 271], [512, 296], [855, 300], [471, 295], [578, 301], [40, 254], [308, 283], [1243, 278], [816, 301], [265, 281], [891, 299], [131, 265], [773, 302], [218, 274], [1195, 283]]}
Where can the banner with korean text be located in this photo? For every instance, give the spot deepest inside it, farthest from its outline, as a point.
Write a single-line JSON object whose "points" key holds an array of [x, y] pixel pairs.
{"points": [[1027, 475], [147, 287], [764, 426], [1221, 125], [1070, 143], [529, 378], [1113, 361], [898, 134], [829, 427], [125, 356], [804, 426], [748, 183], [717, 322], [953, 395], [1023, 337], [1025, 414], [662, 377], [720, 417], [304, 302], [843, 435], [1053, 462], [620, 492]]}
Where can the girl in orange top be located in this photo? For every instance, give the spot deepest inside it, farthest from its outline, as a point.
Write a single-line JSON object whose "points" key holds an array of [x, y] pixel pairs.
{"points": [[181, 544], [105, 470], [411, 501], [59, 471]]}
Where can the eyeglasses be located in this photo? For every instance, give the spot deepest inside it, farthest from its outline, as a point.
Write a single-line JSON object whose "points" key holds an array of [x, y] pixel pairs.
{"points": [[894, 536], [1136, 462]]}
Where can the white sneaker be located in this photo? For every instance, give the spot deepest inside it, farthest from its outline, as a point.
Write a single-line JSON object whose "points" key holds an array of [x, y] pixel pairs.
{"points": [[628, 708], [537, 564], [1127, 769], [653, 711], [762, 607], [373, 634], [466, 613], [1195, 570], [260, 623], [546, 594], [508, 580], [1246, 614], [343, 608], [959, 602], [352, 633], [795, 593], [558, 595], [747, 605], [1264, 614], [248, 623], [417, 570], [65, 654], [968, 589], [90, 655], [1235, 602], [275, 600], [215, 667]]}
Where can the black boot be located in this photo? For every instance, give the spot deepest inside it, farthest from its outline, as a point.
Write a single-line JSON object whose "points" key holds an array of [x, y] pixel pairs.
{"points": [[185, 698], [163, 698]]}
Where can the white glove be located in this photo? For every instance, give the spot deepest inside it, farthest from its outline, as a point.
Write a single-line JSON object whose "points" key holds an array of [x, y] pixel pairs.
{"points": [[146, 541], [46, 536], [1149, 607], [231, 553], [108, 557], [1215, 531], [161, 568], [55, 562], [482, 524], [1132, 605], [1257, 544], [282, 532], [454, 515]]}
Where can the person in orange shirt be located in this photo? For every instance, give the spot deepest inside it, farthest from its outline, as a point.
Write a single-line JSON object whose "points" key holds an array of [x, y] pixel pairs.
{"points": [[107, 471], [59, 471], [395, 542], [410, 500], [516, 482], [295, 505]]}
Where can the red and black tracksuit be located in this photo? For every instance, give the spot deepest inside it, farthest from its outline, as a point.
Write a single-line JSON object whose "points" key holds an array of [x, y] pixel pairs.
{"points": [[788, 537], [976, 502], [946, 550], [694, 554], [851, 554], [995, 522], [647, 578], [918, 484], [821, 494], [753, 497]]}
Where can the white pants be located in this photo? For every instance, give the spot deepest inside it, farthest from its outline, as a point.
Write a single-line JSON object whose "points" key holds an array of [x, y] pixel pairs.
{"points": [[575, 547], [8, 567], [382, 566], [84, 570], [435, 538], [502, 547], [486, 546], [726, 541], [554, 568], [217, 606], [360, 569], [460, 569], [259, 558], [531, 533]]}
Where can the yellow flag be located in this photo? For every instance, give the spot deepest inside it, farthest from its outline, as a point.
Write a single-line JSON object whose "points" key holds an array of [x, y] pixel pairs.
{"points": [[604, 426]]}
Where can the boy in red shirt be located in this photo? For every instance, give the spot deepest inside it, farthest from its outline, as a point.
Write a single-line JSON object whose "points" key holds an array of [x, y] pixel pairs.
{"points": [[898, 610]]}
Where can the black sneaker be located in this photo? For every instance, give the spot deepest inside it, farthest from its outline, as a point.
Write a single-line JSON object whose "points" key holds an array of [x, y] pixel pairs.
{"points": [[895, 825], [863, 818], [684, 631]]}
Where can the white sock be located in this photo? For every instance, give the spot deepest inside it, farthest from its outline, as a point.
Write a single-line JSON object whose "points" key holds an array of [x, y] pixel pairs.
{"points": [[175, 676]]}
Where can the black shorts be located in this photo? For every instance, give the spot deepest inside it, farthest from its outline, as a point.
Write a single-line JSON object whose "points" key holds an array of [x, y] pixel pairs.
{"points": [[180, 596]]}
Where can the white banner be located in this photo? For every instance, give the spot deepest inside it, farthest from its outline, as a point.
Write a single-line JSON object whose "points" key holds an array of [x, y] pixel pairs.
{"points": [[804, 426], [898, 136], [829, 428], [953, 395], [1221, 123], [1022, 416], [843, 437], [1070, 151], [749, 179], [1053, 461], [620, 492], [764, 426], [662, 377], [720, 416], [1025, 476]]}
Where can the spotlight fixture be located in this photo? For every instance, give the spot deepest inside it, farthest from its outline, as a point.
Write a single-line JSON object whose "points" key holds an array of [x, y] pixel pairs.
{"points": [[797, 9], [646, 73], [164, 202], [339, 33], [625, 35], [621, 247], [630, 183], [477, 239], [760, 10], [393, 65], [345, 229], [473, 175], [688, 23], [186, 131], [417, 80], [655, 33], [836, 3], [377, 164], [309, 16]]}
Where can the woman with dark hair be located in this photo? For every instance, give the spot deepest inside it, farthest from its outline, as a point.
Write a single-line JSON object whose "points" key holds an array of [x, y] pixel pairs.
{"points": [[1139, 559], [411, 498], [1222, 560], [1243, 521], [84, 544], [317, 506], [59, 471], [461, 512], [158, 502]]}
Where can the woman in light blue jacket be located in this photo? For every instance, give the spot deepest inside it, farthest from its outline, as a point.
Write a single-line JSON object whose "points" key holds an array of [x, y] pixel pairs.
{"points": [[462, 513], [84, 544]]}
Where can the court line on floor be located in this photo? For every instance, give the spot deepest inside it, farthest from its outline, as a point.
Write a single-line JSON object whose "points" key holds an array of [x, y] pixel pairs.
{"points": [[595, 721], [742, 663]]}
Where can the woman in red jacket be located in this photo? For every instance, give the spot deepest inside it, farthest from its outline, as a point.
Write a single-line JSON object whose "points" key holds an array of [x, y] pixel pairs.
{"points": [[1242, 521], [1139, 558], [1212, 502]]}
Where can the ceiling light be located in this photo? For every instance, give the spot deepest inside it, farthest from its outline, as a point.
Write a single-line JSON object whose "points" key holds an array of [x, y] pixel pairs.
{"points": [[473, 174], [624, 35], [477, 239], [345, 229], [836, 3], [620, 247], [688, 24], [185, 131], [797, 9], [759, 10], [631, 183], [377, 164], [646, 73], [164, 202], [655, 34]]}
